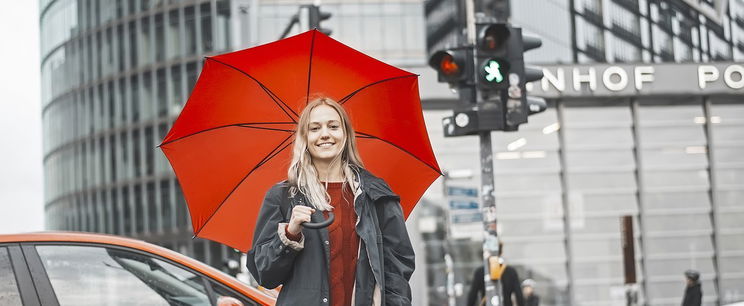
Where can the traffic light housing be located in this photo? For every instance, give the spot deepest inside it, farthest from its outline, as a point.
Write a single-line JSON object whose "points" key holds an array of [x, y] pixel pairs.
{"points": [[453, 66], [315, 17], [491, 52], [517, 104]]}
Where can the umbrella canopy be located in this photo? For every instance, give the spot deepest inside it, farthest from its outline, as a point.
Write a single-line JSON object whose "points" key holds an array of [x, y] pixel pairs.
{"points": [[232, 140]]}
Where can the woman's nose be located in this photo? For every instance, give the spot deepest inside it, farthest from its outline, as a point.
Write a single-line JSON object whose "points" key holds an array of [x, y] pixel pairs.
{"points": [[324, 133]]}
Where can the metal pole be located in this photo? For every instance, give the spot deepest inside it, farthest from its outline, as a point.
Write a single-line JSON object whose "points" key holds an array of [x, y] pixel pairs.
{"points": [[498, 10], [491, 243], [295, 19], [565, 200], [448, 263]]}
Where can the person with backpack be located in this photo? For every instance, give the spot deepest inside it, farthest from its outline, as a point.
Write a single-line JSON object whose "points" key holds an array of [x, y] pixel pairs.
{"points": [[364, 257]]}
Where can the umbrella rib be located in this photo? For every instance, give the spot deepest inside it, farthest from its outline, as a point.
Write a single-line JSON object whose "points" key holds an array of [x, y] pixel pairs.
{"points": [[265, 128], [346, 99], [310, 68], [365, 135], [268, 157], [243, 125], [278, 101]]}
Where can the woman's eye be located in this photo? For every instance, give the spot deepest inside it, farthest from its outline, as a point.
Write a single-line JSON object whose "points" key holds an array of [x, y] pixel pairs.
{"points": [[314, 129], [334, 126]]}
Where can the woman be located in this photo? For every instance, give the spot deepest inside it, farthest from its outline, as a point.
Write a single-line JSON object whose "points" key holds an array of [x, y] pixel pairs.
{"points": [[365, 257]]}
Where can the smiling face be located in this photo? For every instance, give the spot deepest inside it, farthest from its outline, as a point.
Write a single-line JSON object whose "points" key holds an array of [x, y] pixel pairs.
{"points": [[325, 134]]}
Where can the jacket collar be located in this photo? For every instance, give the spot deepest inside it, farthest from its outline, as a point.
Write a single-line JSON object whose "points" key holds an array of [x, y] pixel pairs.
{"points": [[374, 187], [370, 184]]}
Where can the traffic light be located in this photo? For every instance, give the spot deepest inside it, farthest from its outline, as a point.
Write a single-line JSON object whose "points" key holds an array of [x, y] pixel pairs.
{"points": [[315, 16], [491, 52], [517, 104], [453, 66]]}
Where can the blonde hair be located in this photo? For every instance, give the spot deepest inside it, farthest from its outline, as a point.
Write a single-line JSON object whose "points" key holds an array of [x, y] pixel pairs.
{"points": [[302, 175]]}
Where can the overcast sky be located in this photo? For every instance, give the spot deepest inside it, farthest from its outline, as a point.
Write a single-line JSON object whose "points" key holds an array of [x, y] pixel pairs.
{"points": [[21, 182]]}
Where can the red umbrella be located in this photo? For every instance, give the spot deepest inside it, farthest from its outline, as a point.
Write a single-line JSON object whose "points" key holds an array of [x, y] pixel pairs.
{"points": [[232, 141]]}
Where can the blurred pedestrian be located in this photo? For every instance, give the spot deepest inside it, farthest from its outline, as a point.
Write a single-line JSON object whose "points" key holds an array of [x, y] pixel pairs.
{"points": [[528, 291], [512, 295], [693, 293]]}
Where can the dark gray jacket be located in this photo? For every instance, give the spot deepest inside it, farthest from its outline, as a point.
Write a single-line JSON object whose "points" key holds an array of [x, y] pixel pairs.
{"points": [[386, 258]]}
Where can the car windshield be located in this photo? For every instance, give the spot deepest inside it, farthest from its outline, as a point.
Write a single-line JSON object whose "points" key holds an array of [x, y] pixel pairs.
{"points": [[83, 275]]}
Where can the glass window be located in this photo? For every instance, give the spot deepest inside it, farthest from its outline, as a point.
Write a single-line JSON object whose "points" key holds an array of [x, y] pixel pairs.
{"points": [[112, 157], [126, 206], [222, 26], [135, 96], [136, 153], [182, 217], [120, 47], [115, 277], [123, 101], [140, 205], [149, 150], [9, 293], [153, 210], [161, 163], [144, 43], [221, 292], [159, 38], [133, 45], [98, 54], [191, 76], [176, 95], [147, 103], [59, 24], [174, 35], [190, 29], [126, 166], [112, 105], [162, 91], [206, 27], [116, 213], [166, 205]]}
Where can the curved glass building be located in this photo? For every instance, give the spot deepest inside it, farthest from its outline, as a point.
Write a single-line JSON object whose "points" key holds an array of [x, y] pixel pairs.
{"points": [[115, 73]]}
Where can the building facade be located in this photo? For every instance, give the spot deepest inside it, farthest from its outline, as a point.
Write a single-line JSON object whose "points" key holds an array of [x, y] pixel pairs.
{"points": [[605, 149]]}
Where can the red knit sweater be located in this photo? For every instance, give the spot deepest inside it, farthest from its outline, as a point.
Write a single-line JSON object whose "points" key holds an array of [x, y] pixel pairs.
{"points": [[344, 243]]}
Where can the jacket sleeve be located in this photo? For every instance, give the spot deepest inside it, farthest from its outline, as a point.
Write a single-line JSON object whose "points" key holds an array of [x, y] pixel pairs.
{"points": [[399, 258], [273, 253]]}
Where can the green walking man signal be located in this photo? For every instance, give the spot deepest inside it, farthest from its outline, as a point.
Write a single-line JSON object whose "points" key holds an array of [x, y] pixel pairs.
{"points": [[492, 71]]}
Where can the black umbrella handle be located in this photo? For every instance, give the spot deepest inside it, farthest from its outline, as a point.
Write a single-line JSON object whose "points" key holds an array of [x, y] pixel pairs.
{"points": [[318, 225]]}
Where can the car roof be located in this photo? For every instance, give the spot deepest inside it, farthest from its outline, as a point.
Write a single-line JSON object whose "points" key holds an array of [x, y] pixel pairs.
{"points": [[94, 238]]}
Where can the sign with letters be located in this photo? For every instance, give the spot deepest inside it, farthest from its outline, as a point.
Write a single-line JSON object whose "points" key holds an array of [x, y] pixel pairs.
{"points": [[465, 216], [627, 80]]}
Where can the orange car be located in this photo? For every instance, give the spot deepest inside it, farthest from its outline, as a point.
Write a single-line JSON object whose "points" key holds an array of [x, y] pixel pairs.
{"points": [[66, 268]]}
